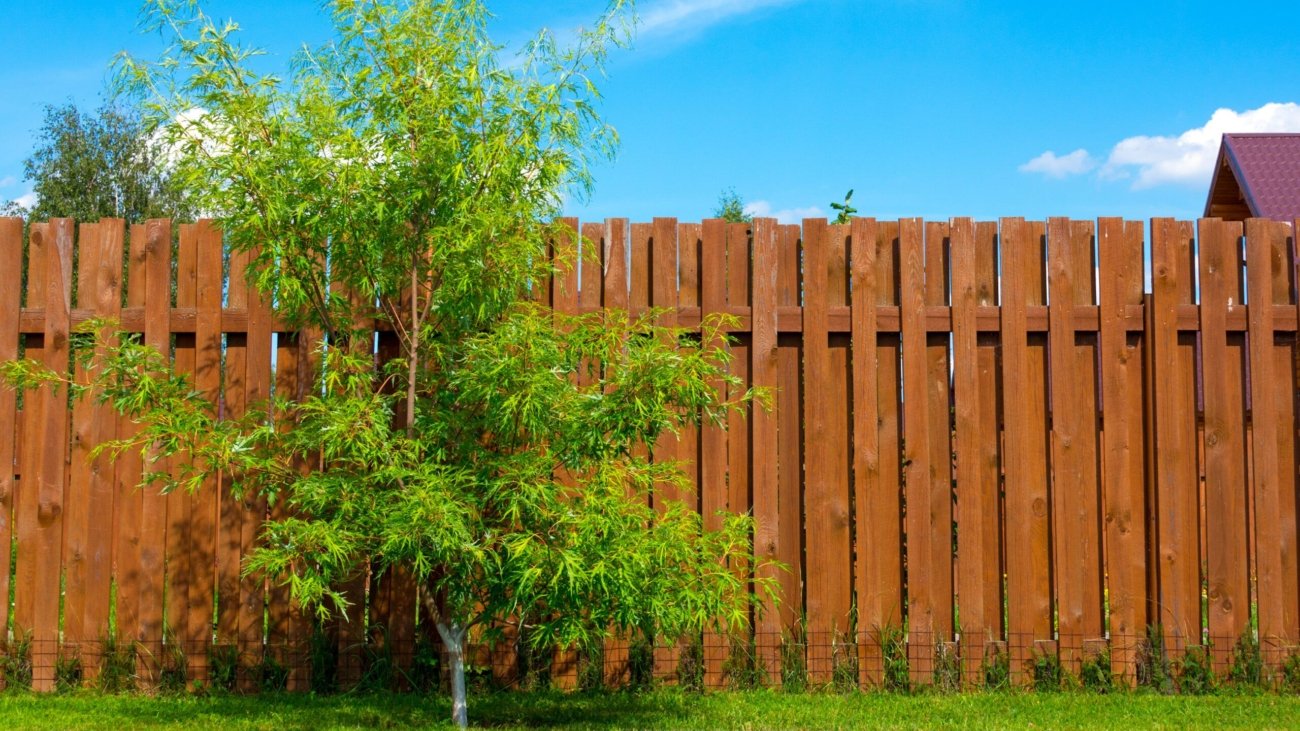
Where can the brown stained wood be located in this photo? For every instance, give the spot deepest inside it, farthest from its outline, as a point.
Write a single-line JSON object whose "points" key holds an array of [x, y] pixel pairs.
{"points": [[128, 503], [1225, 449], [1266, 263], [49, 446], [179, 503], [207, 381], [1177, 521], [837, 395], [819, 498], [712, 280], [230, 512], [589, 274], [639, 270], [972, 509], [88, 539], [1025, 500], [1074, 485], [26, 524], [789, 406], [1038, 453], [868, 574], [1086, 410], [919, 473], [938, 392], [1119, 247], [1289, 454], [764, 357], [738, 477], [663, 294], [990, 422], [11, 253], [252, 589], [614, 296]]}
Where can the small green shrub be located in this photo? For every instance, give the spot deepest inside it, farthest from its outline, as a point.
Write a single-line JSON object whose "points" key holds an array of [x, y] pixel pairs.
{"points": [[271, 674], [1247, 667], [68, 672], [378, 670], [690, 665], [323, 656], [1154, 670], [173, 671], [16, 662], [996, 671], [591, 666], [1045, 672], [641, 660], [844, 663], [117, 665], [426, 664], [947, 668], [223, 667], [740, 670], [897, 677], [1195, 671], [794, 661], [1291, 673], [1096, 675]]}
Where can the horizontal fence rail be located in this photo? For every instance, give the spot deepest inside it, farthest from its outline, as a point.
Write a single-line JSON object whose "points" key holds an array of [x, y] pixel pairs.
{"points": [[990, 443]]}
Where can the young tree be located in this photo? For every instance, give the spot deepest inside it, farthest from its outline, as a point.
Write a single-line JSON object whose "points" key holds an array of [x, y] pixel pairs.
{"points": [[844, 211], [404, 173], [91, 166], [731, 207]]}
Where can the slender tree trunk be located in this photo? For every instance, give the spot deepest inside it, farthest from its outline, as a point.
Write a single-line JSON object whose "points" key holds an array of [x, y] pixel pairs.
{"points": [[453, 638]]}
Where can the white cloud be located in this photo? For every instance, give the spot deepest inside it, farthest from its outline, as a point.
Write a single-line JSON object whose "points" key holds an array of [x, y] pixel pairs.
{"points": [[763, 209], [1060, 166], [7, 181], [664, 17], [1188, 159], [26, 200]]}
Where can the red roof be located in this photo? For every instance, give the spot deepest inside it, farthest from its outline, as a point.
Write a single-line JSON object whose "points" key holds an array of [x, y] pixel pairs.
{"points": [[1257, 175]]}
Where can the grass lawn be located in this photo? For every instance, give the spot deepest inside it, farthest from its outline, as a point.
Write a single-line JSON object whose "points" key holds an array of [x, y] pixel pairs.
{"points": [[662, 709]]}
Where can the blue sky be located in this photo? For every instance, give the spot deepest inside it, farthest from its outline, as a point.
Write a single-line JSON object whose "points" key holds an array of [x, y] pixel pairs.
{"points": [[932, 108]]}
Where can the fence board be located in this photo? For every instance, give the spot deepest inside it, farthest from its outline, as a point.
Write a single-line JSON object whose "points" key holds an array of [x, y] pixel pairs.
{"points": [[1119, 246], [11, 254], [230, 510], [1225, 448], [918, 456], [789, 434], [663, 294], [938, 390], [990, 415], [764, 354], [27, 506], [838, 454], [1266, 265], [50, 441], [868, 574], [179, 503], [1177, 520]]}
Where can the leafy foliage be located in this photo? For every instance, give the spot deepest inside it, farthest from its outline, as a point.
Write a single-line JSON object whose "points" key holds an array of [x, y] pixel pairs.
{"points": [[731, 208], [844, 211], [89, 166], [404, 173]]}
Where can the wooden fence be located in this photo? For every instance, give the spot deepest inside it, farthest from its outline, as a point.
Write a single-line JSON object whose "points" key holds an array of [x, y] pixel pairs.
{"points": [[984, 433]]}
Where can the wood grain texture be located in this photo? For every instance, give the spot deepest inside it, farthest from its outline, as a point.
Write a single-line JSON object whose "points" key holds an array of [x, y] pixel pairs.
{"points": [[11, 255]]}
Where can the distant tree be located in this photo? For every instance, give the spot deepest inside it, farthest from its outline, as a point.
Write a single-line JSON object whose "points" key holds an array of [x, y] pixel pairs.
{"points": [[89, 166], [731, 207], [845, 210]]}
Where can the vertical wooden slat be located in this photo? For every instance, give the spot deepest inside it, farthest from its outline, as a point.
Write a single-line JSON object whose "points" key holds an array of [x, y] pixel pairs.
{"points": [[990, 445], [614, 296], [1175, 426], [179, 503], [1289, 449], [49, 445], [972, 508], [207, 381], [868, 574], [89, 580], [1074, 457], [938, 393], [919, 473], [11, 254], [885, 608], [1225, 448], [27, 507], [838, 447], [713, 437], [1119, 248], [1029, 588], [252, 589], [763, 431], [789, 409], [1266, 263], [230, 511]]}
